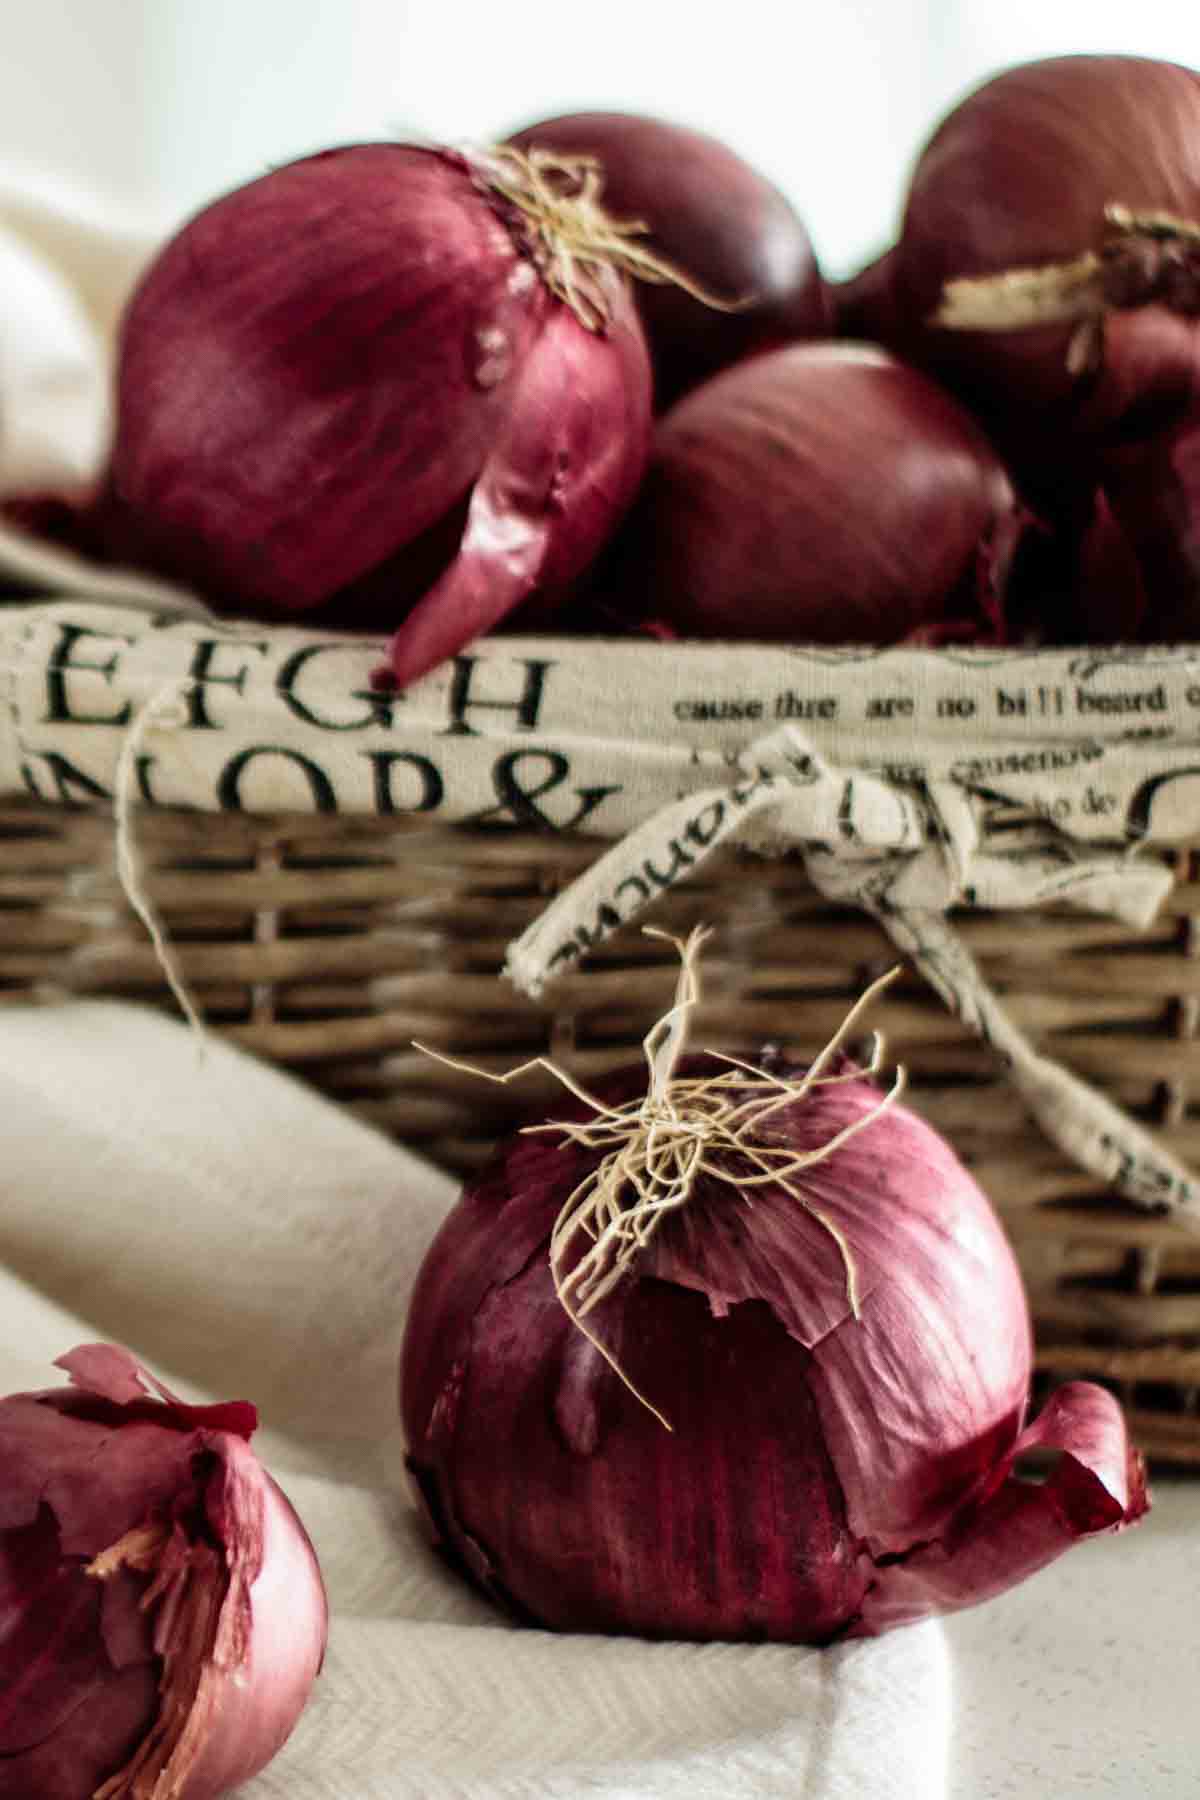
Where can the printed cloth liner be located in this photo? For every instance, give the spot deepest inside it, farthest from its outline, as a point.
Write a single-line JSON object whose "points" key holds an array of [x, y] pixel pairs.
{"points": [[910, 781]]}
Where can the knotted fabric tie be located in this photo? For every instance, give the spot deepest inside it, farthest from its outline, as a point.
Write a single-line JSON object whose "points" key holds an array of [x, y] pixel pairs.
{"points": [[906, 856]]}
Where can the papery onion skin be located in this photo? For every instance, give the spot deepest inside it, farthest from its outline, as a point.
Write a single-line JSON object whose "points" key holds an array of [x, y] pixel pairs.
{"points": [[718, 220], [324, 365], [823, 493], [816, 1462], [1018, 175], [110, 1684]]}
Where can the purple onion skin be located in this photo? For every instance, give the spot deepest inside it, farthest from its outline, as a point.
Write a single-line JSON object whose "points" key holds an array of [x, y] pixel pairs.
{"points": [[712, 215], [823, 493], [323, 366], [1153, 492], [1018, 174], [1120, 507], [864, 305], [1150, 479], [825, 1476], [103, 1687]]}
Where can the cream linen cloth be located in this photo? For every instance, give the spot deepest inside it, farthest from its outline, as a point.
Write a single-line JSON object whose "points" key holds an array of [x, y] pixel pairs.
{"points": [[246, 1238]]}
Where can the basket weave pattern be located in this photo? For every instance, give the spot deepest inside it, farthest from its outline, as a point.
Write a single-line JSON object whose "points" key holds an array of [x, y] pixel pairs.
{"points": [[329, 944]]}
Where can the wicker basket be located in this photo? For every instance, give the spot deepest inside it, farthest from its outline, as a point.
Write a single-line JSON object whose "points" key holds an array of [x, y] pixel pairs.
{"points": [[329, 944]]}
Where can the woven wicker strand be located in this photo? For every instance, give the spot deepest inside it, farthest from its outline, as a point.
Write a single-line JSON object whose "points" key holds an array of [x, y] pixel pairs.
{"points": [[328, 944]]}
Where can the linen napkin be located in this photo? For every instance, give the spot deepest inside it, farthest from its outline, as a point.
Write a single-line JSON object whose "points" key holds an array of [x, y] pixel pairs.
{"points": [[246, 1238]]}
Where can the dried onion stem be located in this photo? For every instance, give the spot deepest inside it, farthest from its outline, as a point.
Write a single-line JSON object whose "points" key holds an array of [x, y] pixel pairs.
{"points": [[660, 1143], [1146, 257], [574, 241]]}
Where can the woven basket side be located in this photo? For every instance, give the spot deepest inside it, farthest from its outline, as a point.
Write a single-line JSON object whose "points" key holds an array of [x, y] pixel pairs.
{"points": [[329, 945]]}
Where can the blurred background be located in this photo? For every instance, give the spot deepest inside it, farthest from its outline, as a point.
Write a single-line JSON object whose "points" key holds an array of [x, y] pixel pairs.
{"points": [[158, 105]]}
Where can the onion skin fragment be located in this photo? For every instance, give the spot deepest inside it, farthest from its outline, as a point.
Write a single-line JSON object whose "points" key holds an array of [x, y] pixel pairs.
{"points": [[825, 1475], [1098, 1484], [164, 1616], [546, 497]]}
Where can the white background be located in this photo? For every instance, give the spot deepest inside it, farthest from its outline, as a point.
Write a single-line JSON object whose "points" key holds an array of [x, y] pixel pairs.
{"points": [[161, 104]]}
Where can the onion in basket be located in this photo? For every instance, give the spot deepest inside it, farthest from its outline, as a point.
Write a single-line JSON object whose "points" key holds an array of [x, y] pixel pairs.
{"points": [[823, 493], [385, 378], [739, 1350]]}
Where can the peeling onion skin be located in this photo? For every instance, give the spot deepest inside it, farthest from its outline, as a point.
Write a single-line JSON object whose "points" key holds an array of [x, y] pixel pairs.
{"points": [[712, 215], [822, 493], [824, 1477], [326, 365], [111, 1686]]}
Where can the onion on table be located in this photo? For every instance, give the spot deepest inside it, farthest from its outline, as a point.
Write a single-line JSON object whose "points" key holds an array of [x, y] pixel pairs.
{"points": [[385, 382], [739, 1350], [728, 233], [822, 493], [162, 1613]]}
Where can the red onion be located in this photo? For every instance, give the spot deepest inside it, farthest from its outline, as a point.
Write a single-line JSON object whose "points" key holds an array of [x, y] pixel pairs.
{"points": [[325, 365], [716, 219], [824, 493], [1022, 176], [162, 1615], [1108, 603], [841, 1352]]}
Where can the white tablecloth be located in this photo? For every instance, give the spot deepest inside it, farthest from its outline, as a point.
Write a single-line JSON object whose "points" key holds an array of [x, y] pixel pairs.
{"points": [[1082, 1684]]}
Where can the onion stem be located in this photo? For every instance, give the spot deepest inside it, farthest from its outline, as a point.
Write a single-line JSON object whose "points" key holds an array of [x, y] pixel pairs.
{"points": [[574, 241], [1147, 257]]}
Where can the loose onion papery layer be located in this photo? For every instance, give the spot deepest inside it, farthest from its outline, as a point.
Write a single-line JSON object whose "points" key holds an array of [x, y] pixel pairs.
{"points": [[188, 1590], [202, 1570], [61, 1729], [843, 1455]]}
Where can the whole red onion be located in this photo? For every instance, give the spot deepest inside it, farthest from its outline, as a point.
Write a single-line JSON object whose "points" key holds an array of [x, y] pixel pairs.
{"points": [[162, 1614], [714, 218], [823, 493], [1020, 177], [827, 1471], [325, 366]]}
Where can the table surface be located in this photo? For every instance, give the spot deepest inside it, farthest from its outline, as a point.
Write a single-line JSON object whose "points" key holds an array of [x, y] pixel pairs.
{"points": [[1085, 1680]]}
